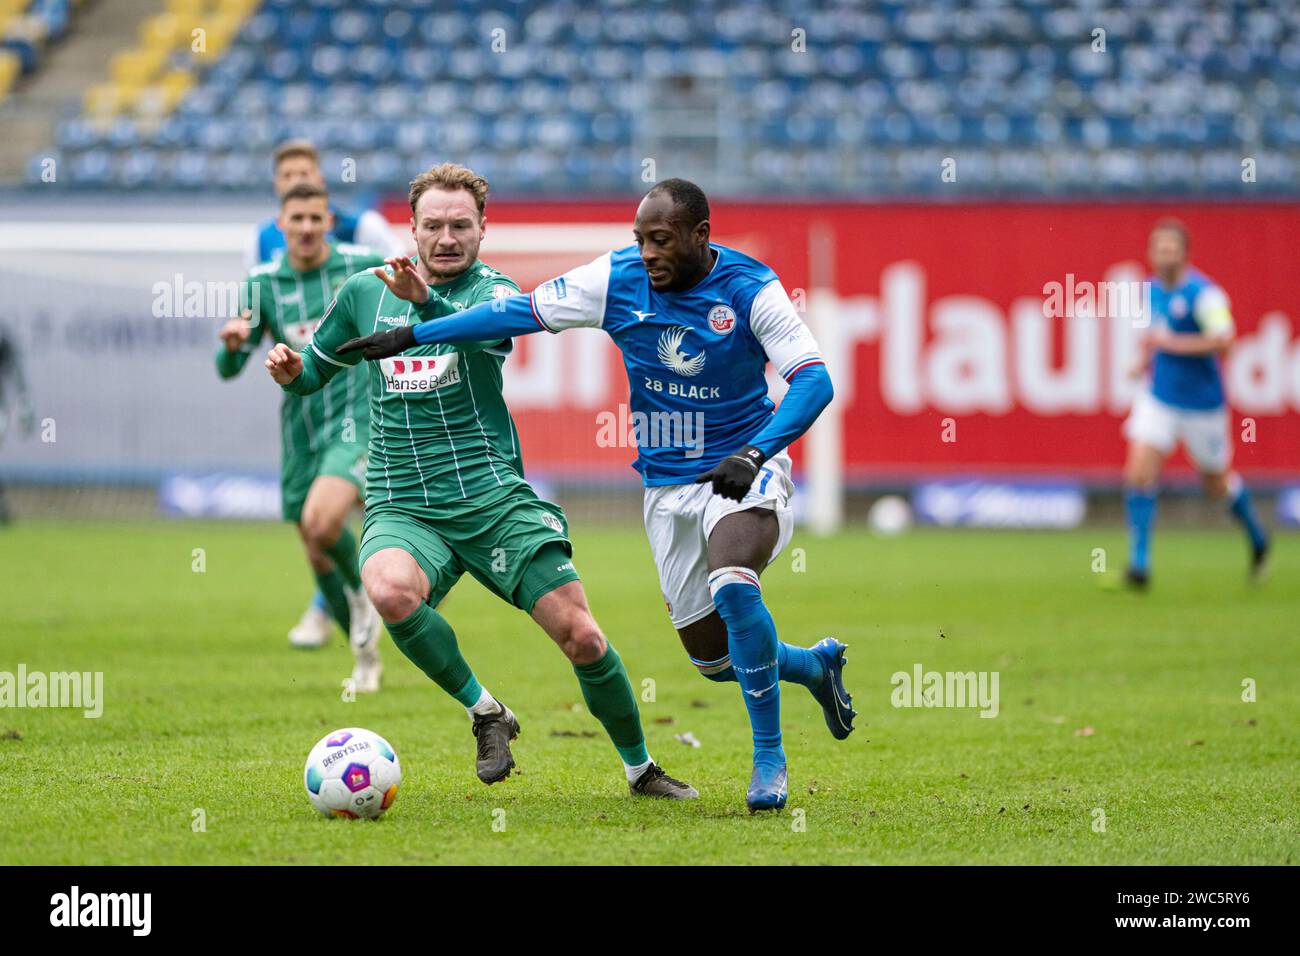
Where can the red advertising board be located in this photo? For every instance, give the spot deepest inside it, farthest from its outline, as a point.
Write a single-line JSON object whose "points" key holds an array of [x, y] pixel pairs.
{"points": [[945, 358]]}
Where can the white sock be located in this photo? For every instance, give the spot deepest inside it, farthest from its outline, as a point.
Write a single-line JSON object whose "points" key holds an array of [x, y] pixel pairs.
{"points": [[634, 773], [486, 704]]}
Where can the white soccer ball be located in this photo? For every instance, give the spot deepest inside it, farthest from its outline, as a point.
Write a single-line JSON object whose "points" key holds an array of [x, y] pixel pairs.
{"points": [[352, 773], [889, 516]]}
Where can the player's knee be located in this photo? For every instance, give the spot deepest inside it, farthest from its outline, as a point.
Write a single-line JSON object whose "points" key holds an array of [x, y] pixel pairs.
{"points": [[395, 596], [1215, 486], [319, 529], [582, 641], [1139, 480], [1137, 476], [317, 558], [736, 595]]}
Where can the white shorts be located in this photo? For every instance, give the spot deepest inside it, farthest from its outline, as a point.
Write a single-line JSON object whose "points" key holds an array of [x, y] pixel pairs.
{"points": [[1203, 433], [679, 520]]}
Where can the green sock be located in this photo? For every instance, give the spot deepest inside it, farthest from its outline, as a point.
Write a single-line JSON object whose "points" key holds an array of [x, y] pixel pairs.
{"points": [[429, 642], [343, 553], [609, 697], [331, 585]]}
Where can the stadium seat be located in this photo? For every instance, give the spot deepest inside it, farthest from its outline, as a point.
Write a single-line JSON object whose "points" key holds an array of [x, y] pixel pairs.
{"points": [[999, 81]]}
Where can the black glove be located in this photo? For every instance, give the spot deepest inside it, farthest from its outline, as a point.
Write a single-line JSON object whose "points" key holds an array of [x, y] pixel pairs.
{"points": [[733, 475], [381, 344]]}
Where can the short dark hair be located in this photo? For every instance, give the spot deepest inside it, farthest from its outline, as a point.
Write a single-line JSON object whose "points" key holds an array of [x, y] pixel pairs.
{"points": [[304, 191], [1170, 224], [687, 196]]}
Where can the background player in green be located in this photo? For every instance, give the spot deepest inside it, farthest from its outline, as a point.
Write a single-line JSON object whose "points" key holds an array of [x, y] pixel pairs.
{"points": [[445, 487], [323, 437]]}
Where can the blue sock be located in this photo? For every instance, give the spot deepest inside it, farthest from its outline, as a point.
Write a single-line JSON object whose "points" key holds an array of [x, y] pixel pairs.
{"points": [[318, 601], [1140, 509], [751, 639], [1244, 512], [797, 665]]}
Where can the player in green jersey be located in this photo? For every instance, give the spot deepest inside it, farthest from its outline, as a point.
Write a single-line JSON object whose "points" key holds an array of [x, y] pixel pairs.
{"points": [[324, 436], [445, 489]]}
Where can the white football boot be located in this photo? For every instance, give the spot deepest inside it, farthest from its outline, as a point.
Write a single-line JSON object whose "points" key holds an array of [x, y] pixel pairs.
{"points": [[313, 628], [364, 640]]}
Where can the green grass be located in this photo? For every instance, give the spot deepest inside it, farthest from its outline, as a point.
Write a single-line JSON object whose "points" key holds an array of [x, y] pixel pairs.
{"points": [[208, 707]]}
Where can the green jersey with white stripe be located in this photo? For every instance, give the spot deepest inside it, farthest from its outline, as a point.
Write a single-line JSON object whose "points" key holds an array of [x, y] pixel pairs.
{"points": [[441, 437], [287, 307]]}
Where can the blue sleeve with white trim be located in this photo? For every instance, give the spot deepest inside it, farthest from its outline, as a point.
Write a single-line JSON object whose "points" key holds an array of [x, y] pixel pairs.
{"points": [[496, 320], [810, 392]]}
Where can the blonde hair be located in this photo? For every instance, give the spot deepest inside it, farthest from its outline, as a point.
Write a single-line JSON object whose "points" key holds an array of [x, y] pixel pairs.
{"points": [[450, 176], [295, 147]]}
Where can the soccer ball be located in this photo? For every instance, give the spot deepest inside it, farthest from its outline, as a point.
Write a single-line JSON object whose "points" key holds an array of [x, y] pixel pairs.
{"points": [[352, 773], [889, 516]]}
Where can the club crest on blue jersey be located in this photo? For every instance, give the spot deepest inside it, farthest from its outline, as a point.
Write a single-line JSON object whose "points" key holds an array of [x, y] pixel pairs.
{"points": [[722, 319]]}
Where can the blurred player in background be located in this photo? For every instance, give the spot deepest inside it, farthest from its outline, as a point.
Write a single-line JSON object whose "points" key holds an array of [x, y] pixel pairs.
{"points": [[324, 436], [697, 324], [297, 161], [15, 403], [447, 492], [1183, 401]]}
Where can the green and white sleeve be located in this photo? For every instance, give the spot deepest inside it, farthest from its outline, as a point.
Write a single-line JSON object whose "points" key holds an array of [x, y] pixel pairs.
{"points": [[230, 364], [320, 360]]}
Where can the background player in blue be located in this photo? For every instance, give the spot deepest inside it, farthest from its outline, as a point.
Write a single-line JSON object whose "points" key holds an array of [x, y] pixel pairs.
{"points": [[1191, 326], [297, 161], [697, 324]]}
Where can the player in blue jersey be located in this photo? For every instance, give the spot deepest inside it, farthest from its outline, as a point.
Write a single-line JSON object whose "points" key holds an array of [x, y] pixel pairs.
{"points": [[1183, 400], [697, 323], [297, 161]]}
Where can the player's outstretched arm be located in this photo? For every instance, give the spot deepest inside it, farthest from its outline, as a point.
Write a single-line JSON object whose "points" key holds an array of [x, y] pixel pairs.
{"points": [[486, 322], [573, 300]]}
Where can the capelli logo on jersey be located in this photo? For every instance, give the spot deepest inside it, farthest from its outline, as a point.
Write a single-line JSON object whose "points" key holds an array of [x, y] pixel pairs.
{"points": [[390, 319], [421, 374], [672, 355]]}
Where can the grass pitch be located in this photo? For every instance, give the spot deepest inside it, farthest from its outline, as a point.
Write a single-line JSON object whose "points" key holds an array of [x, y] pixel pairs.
{"points": [[1122, 735]]}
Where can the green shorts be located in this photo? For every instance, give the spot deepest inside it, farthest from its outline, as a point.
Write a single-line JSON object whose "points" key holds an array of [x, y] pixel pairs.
{"points": [[339, 459], [516, 546]]}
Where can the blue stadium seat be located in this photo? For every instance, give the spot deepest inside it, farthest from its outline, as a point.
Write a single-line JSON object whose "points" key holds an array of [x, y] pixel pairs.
{"points": [[553, 97]]}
